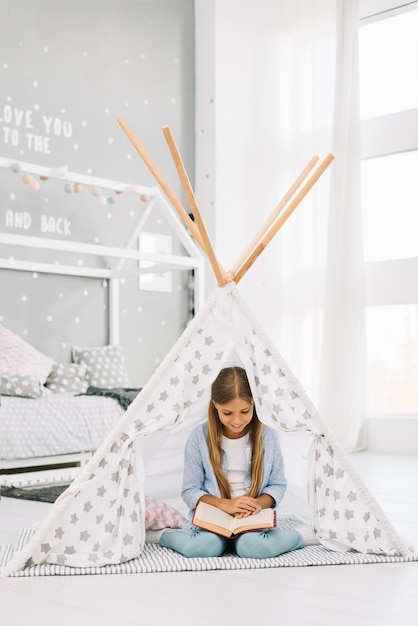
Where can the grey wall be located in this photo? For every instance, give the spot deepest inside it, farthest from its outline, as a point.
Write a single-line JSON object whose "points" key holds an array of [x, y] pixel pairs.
{"points": [[68, 70]]}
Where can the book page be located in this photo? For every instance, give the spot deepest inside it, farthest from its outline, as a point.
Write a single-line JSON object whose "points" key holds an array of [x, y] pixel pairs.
{"points": [[211, 518]]}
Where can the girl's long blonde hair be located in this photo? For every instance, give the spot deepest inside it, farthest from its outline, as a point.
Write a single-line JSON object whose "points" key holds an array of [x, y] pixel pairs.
{"points": [[231, 383]]}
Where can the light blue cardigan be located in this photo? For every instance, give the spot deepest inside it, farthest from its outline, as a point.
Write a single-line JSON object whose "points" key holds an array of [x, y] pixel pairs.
{"points": [[199, 478]]}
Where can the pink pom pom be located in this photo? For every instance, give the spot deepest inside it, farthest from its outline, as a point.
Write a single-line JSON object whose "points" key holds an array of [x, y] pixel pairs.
{"points": [[34, 185]]}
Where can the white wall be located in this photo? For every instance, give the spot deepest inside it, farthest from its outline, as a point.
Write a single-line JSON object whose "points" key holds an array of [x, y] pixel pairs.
{"points": [[247, 155]]}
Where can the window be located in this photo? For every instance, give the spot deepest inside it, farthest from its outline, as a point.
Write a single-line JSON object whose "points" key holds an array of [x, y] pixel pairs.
{"points": [[390, 206], [388, 54], [389, 65]]}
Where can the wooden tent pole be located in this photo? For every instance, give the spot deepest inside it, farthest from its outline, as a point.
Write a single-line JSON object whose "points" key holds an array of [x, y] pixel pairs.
{"points": [[162, 182], [181, 170], [282, 219], [258, 237]]}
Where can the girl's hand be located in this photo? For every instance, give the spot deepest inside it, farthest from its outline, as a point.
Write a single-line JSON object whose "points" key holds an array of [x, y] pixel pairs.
{"points": [[241, 507]]}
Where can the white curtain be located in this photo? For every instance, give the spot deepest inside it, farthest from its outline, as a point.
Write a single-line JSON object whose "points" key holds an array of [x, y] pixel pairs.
{"points": [[276, 83], [318, 256], [343, 372]]}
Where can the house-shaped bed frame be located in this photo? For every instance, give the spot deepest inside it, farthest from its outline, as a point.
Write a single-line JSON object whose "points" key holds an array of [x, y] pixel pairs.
{"points": [[116, 264]]}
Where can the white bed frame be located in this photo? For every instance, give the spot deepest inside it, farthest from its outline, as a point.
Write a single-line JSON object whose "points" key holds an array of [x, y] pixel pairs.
{"points": [[62, 468]]}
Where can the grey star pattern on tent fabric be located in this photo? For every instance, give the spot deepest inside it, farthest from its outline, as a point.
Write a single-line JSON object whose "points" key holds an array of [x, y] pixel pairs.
{"points": [[45, 547]]}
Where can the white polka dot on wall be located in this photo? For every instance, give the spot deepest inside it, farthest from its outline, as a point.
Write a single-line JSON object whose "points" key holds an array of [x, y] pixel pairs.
{"points": [[35, 275], [85, 292], [77, 320], [49, 318], [163, 323], [23, 297], [139, 340]]}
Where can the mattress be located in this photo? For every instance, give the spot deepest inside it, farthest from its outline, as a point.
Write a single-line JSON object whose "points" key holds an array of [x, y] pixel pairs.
{"points": [[55, 424]]}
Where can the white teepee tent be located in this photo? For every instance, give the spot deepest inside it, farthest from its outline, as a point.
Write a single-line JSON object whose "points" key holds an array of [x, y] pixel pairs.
{"points": [[100, 519]]}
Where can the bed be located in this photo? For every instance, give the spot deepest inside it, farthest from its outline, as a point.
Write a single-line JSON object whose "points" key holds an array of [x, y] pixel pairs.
{"points": [[53, 416], [50, 421], [47, 439]]}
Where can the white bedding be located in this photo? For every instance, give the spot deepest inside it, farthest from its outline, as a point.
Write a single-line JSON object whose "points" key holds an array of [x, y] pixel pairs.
{"points": [[55, 424]]}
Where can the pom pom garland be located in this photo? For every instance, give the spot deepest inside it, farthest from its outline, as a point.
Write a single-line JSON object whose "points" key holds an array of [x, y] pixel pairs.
{"points": [[71, 186]]}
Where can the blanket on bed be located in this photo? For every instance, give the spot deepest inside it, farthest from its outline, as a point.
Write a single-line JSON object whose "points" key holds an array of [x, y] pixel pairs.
{"points": [[124, 395]]}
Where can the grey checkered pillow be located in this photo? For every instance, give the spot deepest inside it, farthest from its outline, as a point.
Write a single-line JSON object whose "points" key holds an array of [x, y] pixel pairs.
{"points": [[67, 377], [105, 365]]}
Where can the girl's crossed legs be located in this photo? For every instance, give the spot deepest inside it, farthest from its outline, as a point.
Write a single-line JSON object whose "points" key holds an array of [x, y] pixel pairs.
{"points": [[192, 541]]}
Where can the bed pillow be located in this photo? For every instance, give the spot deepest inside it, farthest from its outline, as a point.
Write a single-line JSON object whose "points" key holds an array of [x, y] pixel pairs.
{"points": [[67, 377], [105, 365], [159, 515], [24, 386], [19, 357]]}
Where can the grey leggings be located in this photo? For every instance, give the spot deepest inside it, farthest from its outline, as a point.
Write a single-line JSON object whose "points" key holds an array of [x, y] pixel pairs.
{"points": [[192, 541]]}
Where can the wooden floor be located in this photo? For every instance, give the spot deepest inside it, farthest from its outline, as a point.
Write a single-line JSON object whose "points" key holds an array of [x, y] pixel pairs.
{"points": [[342, 595]]}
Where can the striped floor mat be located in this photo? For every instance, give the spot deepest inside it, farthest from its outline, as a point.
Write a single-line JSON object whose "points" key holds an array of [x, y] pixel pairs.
{"points": [[156, 559]]}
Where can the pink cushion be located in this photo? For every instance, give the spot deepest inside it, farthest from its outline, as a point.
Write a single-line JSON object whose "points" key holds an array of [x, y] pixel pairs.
{"points": [[19, 357], [160, 515]]}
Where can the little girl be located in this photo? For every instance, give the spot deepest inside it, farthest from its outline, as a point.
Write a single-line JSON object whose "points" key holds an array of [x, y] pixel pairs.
{"points": [[234, 463]]}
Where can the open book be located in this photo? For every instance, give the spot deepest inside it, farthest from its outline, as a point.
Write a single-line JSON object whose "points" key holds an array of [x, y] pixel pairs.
{"points": [[210, 518]]}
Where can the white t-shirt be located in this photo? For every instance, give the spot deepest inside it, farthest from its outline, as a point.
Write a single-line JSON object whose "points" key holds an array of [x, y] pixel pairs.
{"points": [[236, 463]]}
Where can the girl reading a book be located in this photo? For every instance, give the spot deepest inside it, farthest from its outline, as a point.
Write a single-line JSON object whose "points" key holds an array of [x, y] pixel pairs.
{"points": [[234, 463]]}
